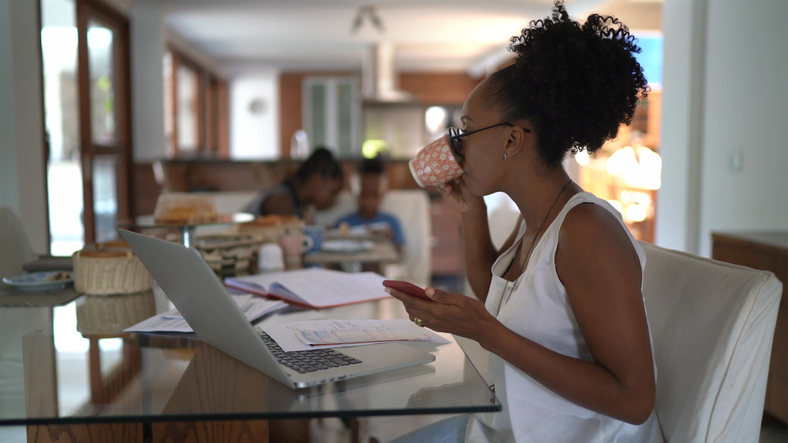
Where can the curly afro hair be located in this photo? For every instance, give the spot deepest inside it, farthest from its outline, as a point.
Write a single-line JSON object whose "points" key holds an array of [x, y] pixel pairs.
{"points": [[575, 83]]}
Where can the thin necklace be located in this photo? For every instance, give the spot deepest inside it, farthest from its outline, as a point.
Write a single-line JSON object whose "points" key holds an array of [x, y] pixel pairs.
{"points": [[528, 254]]}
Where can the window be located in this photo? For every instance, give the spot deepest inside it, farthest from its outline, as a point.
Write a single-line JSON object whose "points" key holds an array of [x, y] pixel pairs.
{"points": [[331, 114], [195, 111], [85, 51]]}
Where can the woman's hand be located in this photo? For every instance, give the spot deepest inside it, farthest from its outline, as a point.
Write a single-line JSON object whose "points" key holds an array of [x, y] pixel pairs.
{"points": [[447, 312], [456, 192]]}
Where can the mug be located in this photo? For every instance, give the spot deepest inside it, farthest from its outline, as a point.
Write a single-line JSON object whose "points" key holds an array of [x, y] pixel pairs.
{"points": [[316, 233], [293, 244], [435, 163]]}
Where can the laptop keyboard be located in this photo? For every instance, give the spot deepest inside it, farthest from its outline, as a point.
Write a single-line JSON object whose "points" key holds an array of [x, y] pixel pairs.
{"points": [[308, 361]]}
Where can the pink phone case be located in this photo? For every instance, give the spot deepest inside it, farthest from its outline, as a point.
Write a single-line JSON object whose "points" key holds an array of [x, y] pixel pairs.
{"points": [[408, 288]]}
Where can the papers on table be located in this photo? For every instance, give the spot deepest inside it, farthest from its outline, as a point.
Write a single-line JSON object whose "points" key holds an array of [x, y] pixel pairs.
{"points": [[314, 287], [171, 321], [311, 334]]}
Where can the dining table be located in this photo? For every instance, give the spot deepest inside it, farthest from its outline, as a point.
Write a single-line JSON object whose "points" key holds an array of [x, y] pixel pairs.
{"points": [[68, 372]]}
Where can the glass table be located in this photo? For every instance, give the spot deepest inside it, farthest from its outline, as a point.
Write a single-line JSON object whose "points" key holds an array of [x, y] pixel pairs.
{"points": [[188, 229], [71, 369]]}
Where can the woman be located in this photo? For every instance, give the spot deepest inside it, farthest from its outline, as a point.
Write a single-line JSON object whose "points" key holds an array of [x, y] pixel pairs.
{"points": [[561, 312], [316, 183]]}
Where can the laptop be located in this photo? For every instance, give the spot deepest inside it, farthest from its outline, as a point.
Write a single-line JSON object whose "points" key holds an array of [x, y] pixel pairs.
{"points": [[205, 304]]}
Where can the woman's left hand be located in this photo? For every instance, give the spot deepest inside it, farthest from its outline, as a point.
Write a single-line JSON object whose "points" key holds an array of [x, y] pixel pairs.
{"points": [[447, 312]]}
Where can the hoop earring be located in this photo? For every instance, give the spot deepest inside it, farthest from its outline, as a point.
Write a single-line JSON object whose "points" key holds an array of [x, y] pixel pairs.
{"points": [[505, 156]]}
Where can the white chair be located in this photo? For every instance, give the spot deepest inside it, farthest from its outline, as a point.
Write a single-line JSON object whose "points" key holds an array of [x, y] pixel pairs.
{"points": [[712, 325], [412, 208]]}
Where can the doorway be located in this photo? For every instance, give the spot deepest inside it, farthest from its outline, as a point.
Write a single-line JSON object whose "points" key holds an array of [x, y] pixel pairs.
{"points": [[85, 47]]}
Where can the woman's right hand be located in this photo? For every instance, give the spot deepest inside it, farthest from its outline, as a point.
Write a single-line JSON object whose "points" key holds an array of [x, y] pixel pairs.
{"points": [[458, 194]]}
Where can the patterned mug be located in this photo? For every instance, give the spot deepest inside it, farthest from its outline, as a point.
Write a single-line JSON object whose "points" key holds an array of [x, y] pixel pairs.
{"points": [[435, 163]]}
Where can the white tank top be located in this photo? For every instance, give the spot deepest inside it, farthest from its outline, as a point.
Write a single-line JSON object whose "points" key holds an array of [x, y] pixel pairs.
{"points": [[538, 309]]}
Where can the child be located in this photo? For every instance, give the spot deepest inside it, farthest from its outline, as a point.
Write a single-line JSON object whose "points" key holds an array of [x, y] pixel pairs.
{"points": [[372, 183], [313, 187]]}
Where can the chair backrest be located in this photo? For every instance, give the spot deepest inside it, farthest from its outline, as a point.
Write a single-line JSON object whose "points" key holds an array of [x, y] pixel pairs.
{"points": [[712, 325], [412, 208], [15, 249]]}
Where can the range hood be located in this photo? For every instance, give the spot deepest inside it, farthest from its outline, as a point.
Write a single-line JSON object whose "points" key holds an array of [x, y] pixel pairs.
{"points": [[378, 78]]}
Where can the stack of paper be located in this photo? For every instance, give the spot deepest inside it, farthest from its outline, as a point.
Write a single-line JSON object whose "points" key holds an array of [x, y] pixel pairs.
{"points": [[314, 287], [304, 335], [172, 321]]}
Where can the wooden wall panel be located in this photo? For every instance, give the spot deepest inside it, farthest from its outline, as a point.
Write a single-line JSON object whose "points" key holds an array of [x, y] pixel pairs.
{"points": [[146, 189], [223, 120], [289, 110], [438, 88], [218, 175]]}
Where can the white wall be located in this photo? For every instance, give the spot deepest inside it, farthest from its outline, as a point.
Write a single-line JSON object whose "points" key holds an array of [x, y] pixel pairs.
{"points": [[746, 112], [21, 120], [254, 136], [147, 81], [724, 93], [682, 74], [149, 40]]}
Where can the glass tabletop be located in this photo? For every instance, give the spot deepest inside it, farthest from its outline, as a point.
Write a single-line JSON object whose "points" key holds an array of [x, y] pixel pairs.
{"points": [[72, 364]]}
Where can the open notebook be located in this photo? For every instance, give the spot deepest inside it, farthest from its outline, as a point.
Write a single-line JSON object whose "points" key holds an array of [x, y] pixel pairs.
{"points": [[314, 287]]}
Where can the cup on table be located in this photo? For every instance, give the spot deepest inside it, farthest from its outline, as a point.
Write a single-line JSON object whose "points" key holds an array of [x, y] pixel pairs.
{"points": [[317, 234], [435, 163], [270, 258], [294, 243]]}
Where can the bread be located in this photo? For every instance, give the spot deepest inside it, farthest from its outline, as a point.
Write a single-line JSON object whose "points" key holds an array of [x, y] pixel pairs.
{"points": [[183, 208]]}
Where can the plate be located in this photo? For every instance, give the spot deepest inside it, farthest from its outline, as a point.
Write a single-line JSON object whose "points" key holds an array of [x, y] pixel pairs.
{"points": [[347, 246], [38, 281]]}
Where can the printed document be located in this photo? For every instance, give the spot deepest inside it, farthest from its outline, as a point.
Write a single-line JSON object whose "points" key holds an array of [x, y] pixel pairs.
{"points": [[172, 321], [311, 334]]}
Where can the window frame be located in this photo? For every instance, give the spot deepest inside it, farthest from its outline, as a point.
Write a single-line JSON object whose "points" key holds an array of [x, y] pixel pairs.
{"points": [[212, 132]]}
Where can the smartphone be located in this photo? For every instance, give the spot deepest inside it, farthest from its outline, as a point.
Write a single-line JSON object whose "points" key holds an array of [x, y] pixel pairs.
{"points": [[408, 288]]}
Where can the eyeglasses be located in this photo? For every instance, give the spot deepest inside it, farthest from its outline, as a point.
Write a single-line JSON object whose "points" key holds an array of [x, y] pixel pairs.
{"points": [[456, 135]]}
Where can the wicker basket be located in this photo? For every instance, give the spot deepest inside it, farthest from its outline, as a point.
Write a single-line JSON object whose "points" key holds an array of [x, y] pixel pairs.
{"points": [[110, 315], [106, 271]]}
